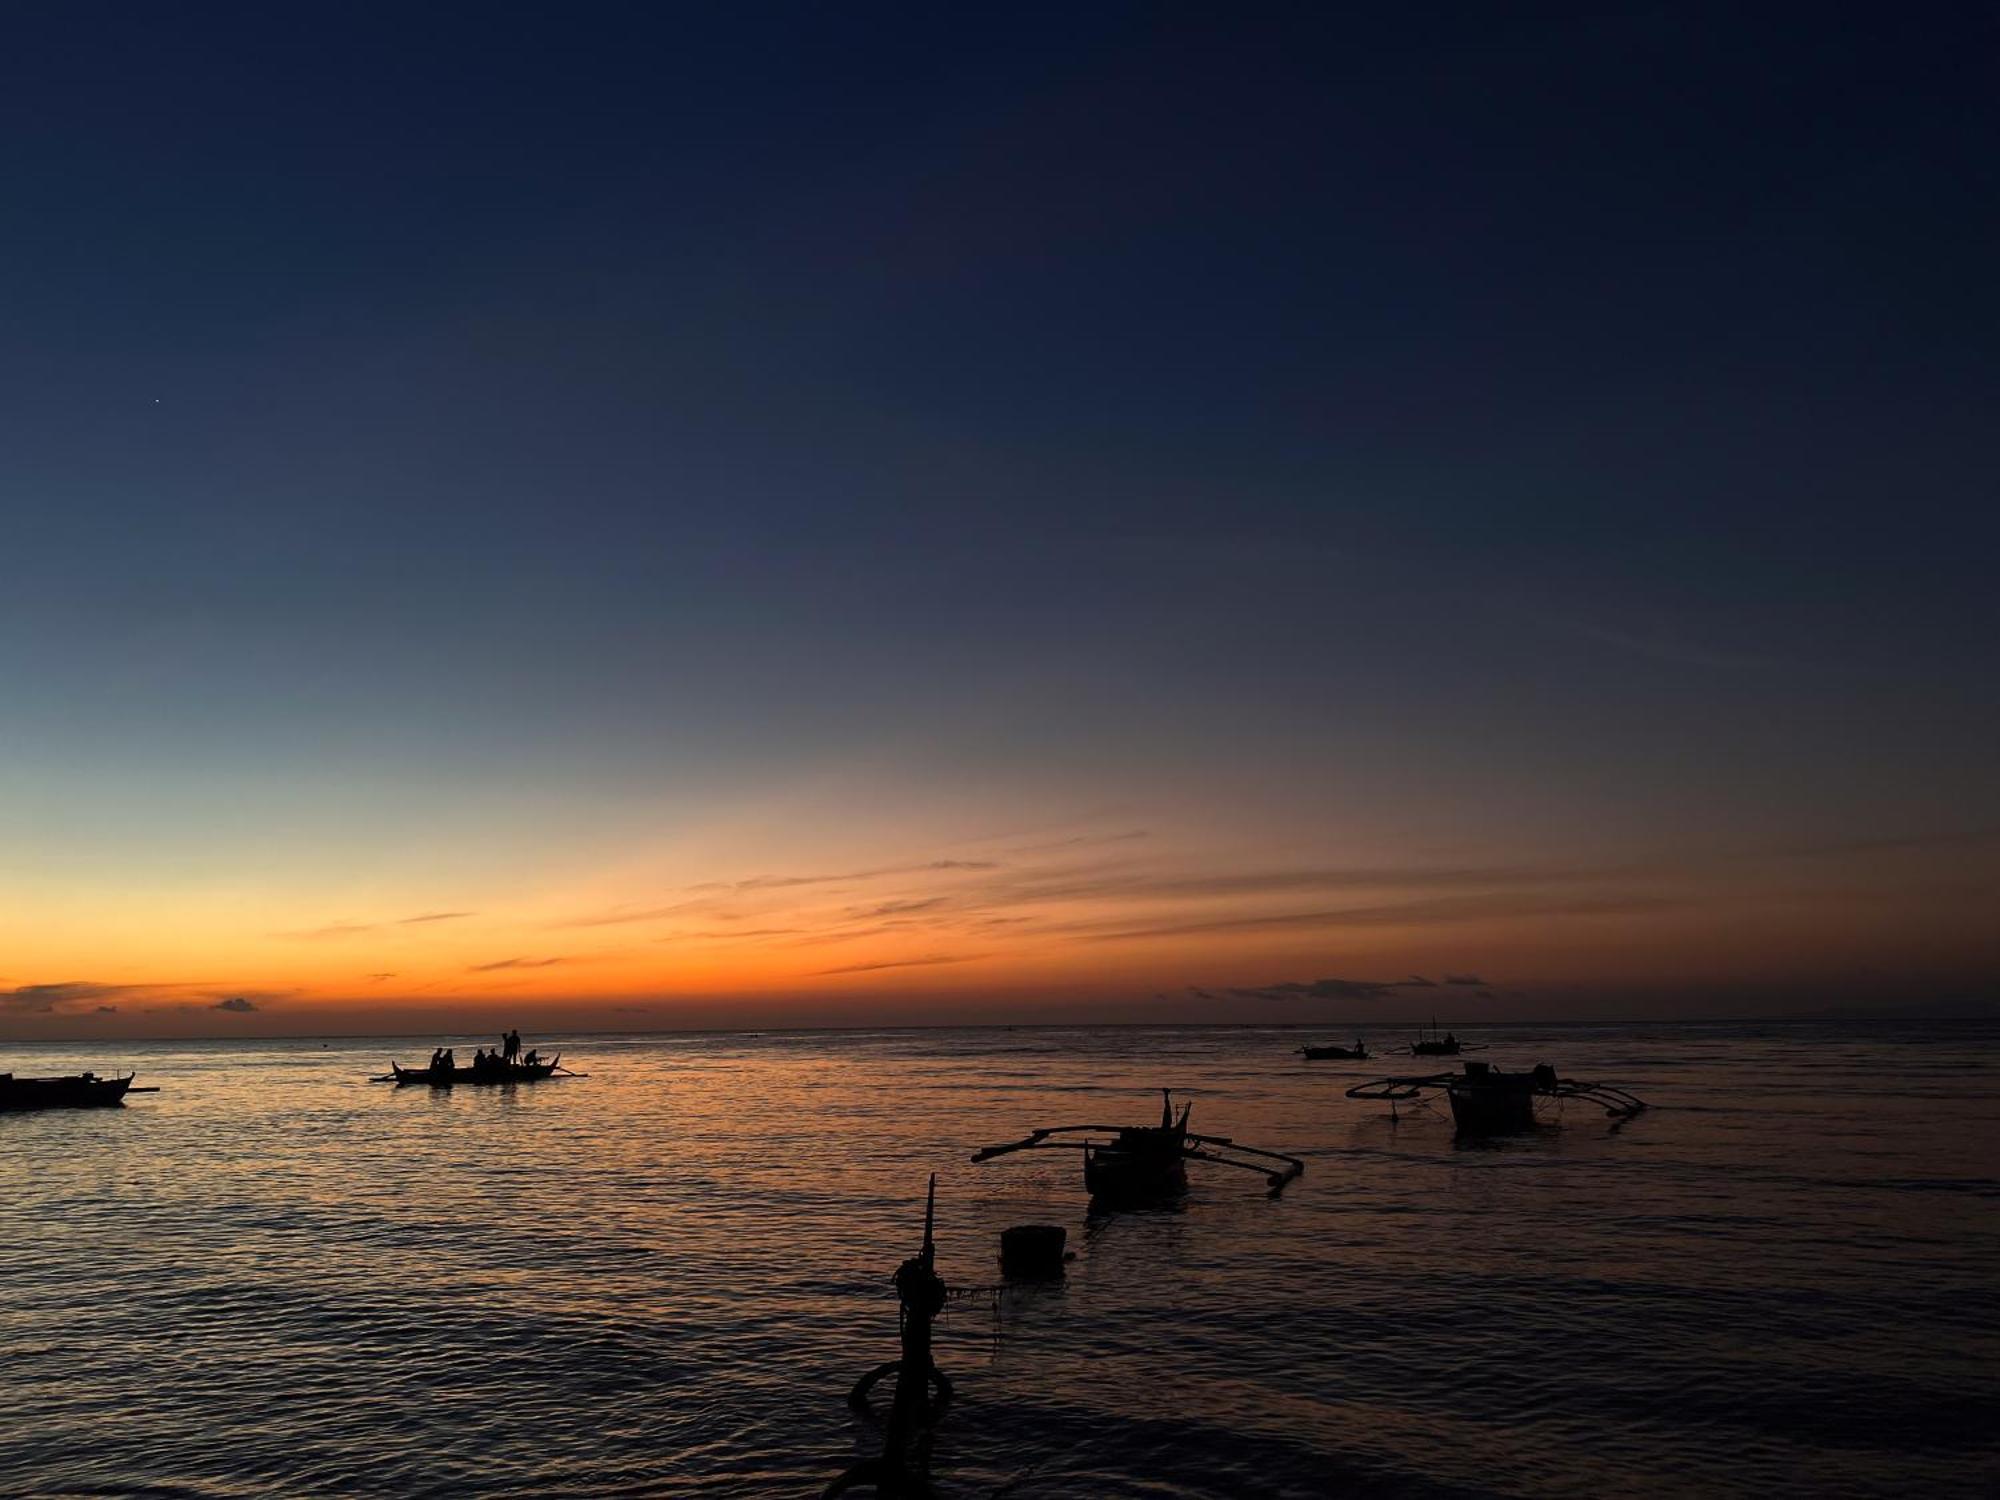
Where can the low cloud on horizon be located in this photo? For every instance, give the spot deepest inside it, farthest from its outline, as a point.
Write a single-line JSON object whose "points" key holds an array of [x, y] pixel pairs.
{"points": [[1336, 989], [86, 997], [45, 999]]}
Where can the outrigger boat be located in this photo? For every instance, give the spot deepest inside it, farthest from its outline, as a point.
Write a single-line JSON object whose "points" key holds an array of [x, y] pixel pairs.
{"points": [[1358, 1052], [1430, 1044], [1141, 1163], [84, 1091], [1486, 1101], [494, 1072]]}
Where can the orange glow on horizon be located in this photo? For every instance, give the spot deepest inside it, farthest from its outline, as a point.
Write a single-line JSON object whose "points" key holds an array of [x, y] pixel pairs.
{"points": [[1104, 920]]}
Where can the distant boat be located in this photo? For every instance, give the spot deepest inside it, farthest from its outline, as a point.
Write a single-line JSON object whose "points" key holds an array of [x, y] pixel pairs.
{"points": [[1359, 1052], [85, 1091], [496, 1072], [1486, 1101], [1430, 1044]]}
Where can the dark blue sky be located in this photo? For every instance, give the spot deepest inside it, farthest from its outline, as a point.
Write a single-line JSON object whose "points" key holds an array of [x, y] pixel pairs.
{"points": [[1575, 419]]}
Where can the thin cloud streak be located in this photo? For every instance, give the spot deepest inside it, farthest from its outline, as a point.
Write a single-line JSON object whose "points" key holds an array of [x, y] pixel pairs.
{"points": [[355, 929], [619, 916], [1083, 841], [1332, 989], [787, 882], [706, 904], [332, 930], [1663, 647], [738, 934], [902, 908], [1407, 914], [902, 963]]}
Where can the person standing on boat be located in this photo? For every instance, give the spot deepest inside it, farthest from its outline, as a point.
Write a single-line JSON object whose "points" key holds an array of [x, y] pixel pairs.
{"points": [[511, 1044]]}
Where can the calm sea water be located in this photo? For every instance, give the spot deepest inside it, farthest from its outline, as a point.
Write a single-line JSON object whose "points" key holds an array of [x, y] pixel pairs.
{"points": [[276, 1278]]}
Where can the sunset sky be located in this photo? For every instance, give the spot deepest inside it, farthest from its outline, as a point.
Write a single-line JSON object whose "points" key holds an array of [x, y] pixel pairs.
{"points": [[639, 515]]}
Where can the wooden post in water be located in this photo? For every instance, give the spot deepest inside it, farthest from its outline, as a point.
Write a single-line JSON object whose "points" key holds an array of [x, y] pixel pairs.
{"points": [[903, 1470]]}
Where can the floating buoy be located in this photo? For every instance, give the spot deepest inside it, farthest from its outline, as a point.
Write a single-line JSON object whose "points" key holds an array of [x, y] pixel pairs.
{"points": [[1033, 1251]]}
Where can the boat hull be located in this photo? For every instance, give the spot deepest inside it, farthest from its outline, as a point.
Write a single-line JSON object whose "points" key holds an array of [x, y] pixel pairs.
{"points": [[18, 1095], [1495, 1104], [1115, 1176]]}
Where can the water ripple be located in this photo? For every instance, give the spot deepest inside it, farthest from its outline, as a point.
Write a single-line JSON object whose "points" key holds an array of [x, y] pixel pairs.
{"points": [[275, 1279]]}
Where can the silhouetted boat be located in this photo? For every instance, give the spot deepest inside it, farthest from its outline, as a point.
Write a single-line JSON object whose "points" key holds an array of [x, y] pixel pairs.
{"points": [[85, 1091], [1149, 1162], [498, 1072], [1486, 1101], [1141, 1161], [1358, 1052], [1430, 1044]]}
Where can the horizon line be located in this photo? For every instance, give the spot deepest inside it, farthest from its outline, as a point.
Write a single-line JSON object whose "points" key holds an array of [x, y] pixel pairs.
{"points": [[1684, 1021]]}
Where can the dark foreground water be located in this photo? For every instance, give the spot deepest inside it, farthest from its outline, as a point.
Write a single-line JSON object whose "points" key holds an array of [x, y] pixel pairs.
{"points": [[275, 1278]]}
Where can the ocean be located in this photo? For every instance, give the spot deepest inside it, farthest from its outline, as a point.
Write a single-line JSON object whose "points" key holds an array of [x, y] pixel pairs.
{"points": [[276, 1278]]}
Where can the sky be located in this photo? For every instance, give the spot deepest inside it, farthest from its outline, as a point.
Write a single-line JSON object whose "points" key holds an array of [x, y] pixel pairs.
{"points": [[629, 515]]}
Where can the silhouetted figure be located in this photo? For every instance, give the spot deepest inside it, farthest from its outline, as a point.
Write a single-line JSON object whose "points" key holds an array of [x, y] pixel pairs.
{"points": [[903, 1470], [511, 1044], [1450, 1040], [533, 1059], [437, 1058], [449, 1064]]}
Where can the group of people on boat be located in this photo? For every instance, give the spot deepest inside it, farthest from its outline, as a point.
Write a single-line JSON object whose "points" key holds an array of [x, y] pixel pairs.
{"points": [[506, 1055]]}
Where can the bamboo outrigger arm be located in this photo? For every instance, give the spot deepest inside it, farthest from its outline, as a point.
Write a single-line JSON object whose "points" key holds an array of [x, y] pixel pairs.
{"points": [[1219, 1149], [1040, 1138], [1393, 1089], [1616, 1102], [1276, 1177], [1225, 1141]]}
